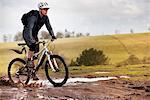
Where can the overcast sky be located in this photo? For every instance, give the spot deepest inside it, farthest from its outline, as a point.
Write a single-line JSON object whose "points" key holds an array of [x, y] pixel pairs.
{"points": [[87, 16]]}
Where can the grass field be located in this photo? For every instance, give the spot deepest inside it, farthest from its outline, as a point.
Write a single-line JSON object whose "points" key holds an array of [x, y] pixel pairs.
{"points": [[116, 47], [135, 72]]}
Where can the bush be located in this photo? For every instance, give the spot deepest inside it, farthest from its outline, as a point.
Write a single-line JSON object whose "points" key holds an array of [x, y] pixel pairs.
{"points": [[146, 60], [90, 57], [73, 63], [131, 60]]}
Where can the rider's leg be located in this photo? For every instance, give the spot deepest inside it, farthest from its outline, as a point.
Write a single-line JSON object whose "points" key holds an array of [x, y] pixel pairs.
{"points": [[30, 63], [30, 55], [32, 47], [27, 38]]}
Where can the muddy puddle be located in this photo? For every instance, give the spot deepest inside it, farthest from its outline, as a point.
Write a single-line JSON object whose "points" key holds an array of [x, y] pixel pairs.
{"points": [[103, 88]]}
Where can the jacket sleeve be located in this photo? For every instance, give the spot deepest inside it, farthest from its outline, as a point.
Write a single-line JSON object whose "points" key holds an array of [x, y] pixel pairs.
{"points": [[48, 26], [29, 27]]}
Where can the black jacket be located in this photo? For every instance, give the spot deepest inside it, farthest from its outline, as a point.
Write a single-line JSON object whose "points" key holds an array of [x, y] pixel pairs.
{"points": [[34, 24]]}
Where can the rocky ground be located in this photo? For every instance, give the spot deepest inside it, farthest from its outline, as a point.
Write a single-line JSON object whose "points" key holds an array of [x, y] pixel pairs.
{"points": [[100, 90]]}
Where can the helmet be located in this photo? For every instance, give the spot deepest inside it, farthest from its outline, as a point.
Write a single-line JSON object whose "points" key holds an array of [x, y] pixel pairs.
{"points": [[43, 5]]}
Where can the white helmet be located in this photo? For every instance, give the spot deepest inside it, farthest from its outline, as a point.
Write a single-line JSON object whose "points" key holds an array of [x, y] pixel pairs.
{"points": [[42, 5]]}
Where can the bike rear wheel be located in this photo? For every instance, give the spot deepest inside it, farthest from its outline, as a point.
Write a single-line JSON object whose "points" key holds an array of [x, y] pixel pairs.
{"points": [[60, 75], [18, 72]]}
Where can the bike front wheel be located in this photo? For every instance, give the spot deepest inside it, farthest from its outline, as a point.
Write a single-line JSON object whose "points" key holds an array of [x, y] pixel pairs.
{"points": [[18, 72], [59, 75]]}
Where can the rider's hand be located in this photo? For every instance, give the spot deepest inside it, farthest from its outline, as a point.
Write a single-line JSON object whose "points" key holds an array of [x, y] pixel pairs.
{"points": [[53, 37]]}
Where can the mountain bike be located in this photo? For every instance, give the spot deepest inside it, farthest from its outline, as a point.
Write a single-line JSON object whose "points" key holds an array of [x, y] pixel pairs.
{"points": [[56, 69]]}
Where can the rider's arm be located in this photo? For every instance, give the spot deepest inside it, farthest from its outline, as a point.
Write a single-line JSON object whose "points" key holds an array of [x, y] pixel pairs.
{"points": [[48, 26], [30, 25]]}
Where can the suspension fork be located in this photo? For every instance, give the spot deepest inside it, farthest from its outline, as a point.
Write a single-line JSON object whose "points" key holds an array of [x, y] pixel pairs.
{"points": [[50, 63], [54, 65], [54, 60]]}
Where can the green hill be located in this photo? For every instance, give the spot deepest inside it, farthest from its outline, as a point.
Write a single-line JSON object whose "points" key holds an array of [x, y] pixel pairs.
{"points": [[116, 47]]}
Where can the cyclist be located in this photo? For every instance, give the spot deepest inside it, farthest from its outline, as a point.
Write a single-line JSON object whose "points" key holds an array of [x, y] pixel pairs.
{"points": [[33, 24]]}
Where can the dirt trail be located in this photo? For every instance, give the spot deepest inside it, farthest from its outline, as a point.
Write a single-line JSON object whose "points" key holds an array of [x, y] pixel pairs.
{"points": [[100, 90]]}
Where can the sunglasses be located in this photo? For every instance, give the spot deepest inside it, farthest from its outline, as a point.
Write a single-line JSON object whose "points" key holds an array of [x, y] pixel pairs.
{"points": [[44, 8]]}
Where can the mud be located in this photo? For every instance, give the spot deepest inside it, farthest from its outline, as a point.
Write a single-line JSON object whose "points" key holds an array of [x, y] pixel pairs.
{"points": [[114, 89]]}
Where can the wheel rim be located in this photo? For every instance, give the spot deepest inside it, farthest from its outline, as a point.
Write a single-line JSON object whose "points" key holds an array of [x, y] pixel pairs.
{"points": [[59, 77], [17, 71]]}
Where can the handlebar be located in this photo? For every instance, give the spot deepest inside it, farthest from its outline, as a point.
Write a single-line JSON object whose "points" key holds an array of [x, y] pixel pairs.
{"points": [[22, 44], [40, 42]]}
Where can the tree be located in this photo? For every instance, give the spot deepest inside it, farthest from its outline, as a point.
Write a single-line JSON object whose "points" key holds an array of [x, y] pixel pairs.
{"points": [[91, 56], [87, 34], [5, 38], [45, 35], [149, 28], [67, 35], [131, 31], [73, 33], [59, 35], [79, 35], [18, 37], [66, 30]]}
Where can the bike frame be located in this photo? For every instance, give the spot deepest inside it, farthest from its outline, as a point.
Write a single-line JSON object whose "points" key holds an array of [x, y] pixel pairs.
{"points": [[45, 53], [52, 64]]}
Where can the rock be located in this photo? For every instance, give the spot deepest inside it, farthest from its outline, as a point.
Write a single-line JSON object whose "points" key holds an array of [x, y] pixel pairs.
{"points": [[147, 90]]}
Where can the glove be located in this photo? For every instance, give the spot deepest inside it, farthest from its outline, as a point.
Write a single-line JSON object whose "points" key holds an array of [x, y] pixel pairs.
{"points": [[53, 37]]}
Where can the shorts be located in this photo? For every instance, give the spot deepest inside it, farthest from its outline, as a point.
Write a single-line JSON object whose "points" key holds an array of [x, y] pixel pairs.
{"points": [[32, 46]]}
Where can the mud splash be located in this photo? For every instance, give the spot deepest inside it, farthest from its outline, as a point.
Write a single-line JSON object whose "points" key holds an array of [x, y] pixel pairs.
{"points": [[74, 81]]}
